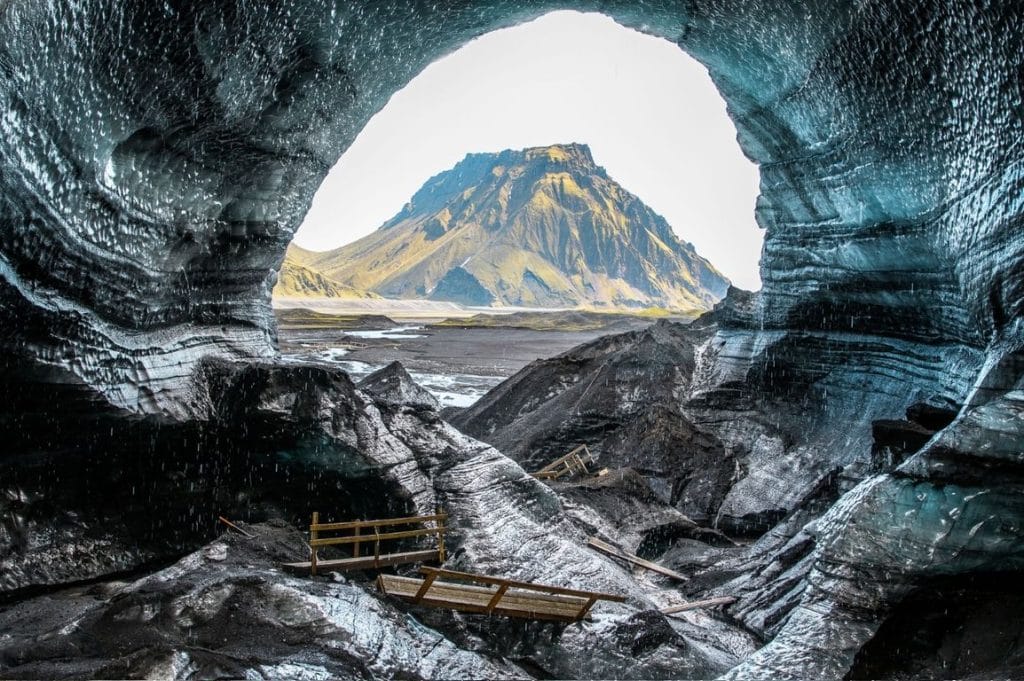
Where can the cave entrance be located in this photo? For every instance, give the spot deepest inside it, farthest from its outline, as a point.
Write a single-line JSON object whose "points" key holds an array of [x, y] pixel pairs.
{"points": [[649, 113]]}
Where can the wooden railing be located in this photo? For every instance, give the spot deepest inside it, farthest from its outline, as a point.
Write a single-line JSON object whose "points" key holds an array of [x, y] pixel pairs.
{"points": [[369, 532], [573, 463]]}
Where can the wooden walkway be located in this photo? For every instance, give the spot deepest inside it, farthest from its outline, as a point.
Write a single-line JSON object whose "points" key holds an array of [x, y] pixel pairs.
{"points": [[497, 595], [573, 463], [369, 532]]}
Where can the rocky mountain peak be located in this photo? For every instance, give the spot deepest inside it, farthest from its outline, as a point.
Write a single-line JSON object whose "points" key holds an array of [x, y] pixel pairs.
{"points": [[537, 227], [573, 153]]}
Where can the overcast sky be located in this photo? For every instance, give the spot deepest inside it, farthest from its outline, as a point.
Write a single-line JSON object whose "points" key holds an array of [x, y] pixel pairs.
{"points": [[648, 111]]}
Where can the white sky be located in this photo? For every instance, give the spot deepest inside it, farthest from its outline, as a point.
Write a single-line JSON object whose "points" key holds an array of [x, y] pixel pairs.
{"points": [[648, 111]]}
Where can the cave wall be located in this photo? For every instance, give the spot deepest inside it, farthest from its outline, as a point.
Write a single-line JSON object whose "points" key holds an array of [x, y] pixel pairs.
{"points": [[155, 159]]}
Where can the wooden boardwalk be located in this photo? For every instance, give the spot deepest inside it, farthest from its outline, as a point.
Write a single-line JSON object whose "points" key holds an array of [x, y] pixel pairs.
{"points": [[369, 532], [493, 595], [573, 463]]}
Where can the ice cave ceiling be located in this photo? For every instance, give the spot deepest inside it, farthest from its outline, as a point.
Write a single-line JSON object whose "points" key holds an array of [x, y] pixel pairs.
{"points": [[156, 157]]}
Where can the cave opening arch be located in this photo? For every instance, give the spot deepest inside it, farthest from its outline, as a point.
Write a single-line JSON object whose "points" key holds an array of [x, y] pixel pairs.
{"points": [[646, 114]]}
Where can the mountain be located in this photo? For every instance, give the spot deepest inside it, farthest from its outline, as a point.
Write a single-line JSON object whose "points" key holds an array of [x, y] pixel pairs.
{"points": [[540, 227], [297, 279]]}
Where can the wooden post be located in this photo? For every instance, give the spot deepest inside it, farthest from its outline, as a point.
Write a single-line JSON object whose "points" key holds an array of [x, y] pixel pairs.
{"points": [[586, 608], [496, 598], [424, 587], [583, 466], [376, 547], [312, 537], [440, 536], [355, 547]]}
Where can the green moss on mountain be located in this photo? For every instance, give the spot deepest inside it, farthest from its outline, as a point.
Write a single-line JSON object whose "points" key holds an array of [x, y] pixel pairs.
{"points": [[296, 279]]}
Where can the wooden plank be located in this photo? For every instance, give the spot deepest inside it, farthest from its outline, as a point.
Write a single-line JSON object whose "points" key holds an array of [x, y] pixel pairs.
{"points": [[582, 466], [407, 586], [496, 598], [694, 605], [358, 538], [507, 611], [378, 536], [312, 542], [519, 609], [586, 608], [234, 527], [573, 462], [531, 586], [422, 591], [528, 586], [550, 468], [363, 562], [636, 560], [557, 462], [555, 475], [477, 600], [352, 524], [441, 517]]}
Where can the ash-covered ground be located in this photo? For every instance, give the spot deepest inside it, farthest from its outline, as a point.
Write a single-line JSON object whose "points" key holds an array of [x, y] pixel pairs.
{"points": [[458, 360]]}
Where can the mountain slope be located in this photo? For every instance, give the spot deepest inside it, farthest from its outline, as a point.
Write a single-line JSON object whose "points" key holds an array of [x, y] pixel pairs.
{"points": [[539, 227], [297, 279]]}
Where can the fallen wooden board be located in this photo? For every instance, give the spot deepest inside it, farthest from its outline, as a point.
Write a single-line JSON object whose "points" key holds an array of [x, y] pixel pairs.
{"points": [[696, 605], [531, 586], [636, 560], [234, 527], [363, 562]]}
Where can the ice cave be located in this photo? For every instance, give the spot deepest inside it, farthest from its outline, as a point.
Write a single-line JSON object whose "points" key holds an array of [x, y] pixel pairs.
{"points": [[855, 429]]}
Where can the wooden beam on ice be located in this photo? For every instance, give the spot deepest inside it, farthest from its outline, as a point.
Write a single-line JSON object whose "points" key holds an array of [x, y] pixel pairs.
{"points": [[234, 527], [696, 605], [615, 552]]}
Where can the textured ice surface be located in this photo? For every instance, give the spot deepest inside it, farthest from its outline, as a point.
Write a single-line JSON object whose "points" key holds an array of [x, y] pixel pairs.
{"points": [[155, 159], [227, 610]]}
